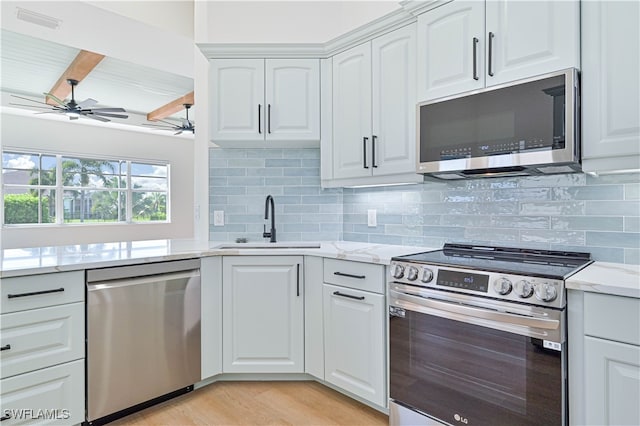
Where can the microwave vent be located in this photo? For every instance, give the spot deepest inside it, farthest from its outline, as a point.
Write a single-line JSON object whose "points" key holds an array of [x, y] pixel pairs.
{"points": [[550, 170]]}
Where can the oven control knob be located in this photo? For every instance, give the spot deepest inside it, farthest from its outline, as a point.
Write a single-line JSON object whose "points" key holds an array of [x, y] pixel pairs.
{"points": [[546, 292], [398, 271], [524, 289], [427, 275], [502, 286], [412, 273]]}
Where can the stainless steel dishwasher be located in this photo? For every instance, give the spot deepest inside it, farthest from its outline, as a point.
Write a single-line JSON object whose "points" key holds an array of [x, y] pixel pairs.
{"points": [[143, 336]]}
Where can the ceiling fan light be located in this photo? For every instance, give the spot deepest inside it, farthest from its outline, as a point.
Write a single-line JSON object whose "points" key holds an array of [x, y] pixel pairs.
{"points": [[72, 115]]}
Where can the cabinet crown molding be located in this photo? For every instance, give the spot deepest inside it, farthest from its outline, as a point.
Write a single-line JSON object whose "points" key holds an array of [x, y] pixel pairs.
{"points": [[406, 15]]}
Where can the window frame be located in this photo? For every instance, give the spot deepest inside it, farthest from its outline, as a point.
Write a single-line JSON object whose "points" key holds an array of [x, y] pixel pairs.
{"points": [[126, 191]]}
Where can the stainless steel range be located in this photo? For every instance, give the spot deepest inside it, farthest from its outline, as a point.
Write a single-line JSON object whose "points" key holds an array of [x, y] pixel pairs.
{"points": [[477, 336]]}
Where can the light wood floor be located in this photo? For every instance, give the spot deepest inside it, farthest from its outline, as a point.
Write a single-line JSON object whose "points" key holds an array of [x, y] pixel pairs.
{"points": [[259, 403]]}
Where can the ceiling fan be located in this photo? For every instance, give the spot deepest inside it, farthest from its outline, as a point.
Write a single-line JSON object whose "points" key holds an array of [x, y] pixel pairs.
{"points": [[187, 125], [75, 109]]}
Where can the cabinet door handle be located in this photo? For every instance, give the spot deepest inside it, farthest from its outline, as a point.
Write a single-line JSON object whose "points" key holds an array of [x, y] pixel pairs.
{"points": [[491, 36], [5, 348], [475, 58], [373, 151], [337, 293], [5, 417], [343, 274], [268, 118], [297, 279], [259, 115], [35, 293], [364, 152]]}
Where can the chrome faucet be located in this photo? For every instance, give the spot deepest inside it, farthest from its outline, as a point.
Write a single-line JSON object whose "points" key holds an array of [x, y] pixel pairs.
{"points": [[272, 233]]}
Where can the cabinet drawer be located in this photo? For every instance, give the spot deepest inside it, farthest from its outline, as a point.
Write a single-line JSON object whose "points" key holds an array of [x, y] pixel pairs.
{"points": [[42, 337], [53, 395], [38, 291], [612, 317], [358, 275]]}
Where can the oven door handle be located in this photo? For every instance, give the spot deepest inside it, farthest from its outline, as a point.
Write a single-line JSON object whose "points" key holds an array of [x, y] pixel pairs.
{"points": [[427, 306]]}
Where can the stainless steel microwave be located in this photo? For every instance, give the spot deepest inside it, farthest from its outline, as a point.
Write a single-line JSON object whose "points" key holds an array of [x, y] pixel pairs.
{"points": [[526, 127]]}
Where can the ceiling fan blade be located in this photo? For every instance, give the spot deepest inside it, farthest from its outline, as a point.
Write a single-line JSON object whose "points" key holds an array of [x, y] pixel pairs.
{"points": [[34, 106], [53, 111], [106, 114], [178, 132], [96, 117], [55, 98], [31, 100], [159, 126], [108, 110], [87, 103]]}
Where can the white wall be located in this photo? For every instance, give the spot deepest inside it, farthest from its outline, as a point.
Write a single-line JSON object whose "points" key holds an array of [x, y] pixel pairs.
{"points": [[88, 27], [173, 15], [283, 21], [59, 135]]}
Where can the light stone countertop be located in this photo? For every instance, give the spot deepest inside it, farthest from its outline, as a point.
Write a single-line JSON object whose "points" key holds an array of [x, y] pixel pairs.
{"points": [[608, 278], [42, 260]]}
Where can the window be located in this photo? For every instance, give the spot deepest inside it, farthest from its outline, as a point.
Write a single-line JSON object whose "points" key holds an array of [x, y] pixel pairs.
{"points": [[92, 190]]}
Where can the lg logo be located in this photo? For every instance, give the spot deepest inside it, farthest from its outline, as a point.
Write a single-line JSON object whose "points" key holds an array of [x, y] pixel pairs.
{"points": [[458, 418]]}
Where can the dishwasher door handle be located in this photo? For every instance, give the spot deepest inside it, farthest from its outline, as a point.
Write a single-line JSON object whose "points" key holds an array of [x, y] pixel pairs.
{"points": [[151, 279]]}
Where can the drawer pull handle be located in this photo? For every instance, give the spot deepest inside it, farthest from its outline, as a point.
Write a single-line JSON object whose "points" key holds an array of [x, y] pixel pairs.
{"points": [[3, 418], [337, 293], [5, 348], [35, 293], [342, 274]]}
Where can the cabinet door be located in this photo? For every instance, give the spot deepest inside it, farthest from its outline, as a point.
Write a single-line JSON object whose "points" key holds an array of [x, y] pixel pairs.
{"points": [[52, 396], [530, 38], [263, 323], [41, 337], [451, 50], [610, 85], [354, 342], [393, 142], [352, 112], [237, 99], [293, 99], [612, 385]]}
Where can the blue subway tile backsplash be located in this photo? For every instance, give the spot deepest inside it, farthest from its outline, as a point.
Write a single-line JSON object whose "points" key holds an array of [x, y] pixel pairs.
{"points": [[575, 212]]}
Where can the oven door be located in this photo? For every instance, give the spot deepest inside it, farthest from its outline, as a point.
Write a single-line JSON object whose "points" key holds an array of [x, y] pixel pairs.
{"points": [[494, 364]]}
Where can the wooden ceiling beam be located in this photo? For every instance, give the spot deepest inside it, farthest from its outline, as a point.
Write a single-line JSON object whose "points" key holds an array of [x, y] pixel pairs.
{"points": [[171, 108], [81, 66]]}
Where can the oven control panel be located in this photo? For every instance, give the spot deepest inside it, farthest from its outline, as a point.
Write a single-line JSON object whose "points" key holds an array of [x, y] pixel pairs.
{"points": [[524, 289]]}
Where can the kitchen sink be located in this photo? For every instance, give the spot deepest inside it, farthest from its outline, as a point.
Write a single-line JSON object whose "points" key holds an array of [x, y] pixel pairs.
{"points": [[260, 246]]}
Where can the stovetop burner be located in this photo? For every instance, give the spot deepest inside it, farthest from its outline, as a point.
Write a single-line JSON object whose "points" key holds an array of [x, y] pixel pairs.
{"points": [[532, 262]]}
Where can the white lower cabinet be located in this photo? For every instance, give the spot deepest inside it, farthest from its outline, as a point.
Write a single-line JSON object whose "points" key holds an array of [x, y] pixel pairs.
{"points": [[53, 395], [604, 359], [354, 340], [263, 314]]}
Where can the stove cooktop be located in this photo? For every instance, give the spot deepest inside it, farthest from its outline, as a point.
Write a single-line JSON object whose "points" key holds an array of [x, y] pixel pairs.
{"points": [[536, 263]]}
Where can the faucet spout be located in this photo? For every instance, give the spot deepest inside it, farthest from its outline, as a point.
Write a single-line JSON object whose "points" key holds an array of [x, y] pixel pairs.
{"points": [[270, 203]]}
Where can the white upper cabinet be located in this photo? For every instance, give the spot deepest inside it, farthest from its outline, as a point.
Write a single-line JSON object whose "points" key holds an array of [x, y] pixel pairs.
{"points": [[610, 86], [352, 112], [238, 99], [451, 49], [528, 38], [393, 141], [258, 100], [293, 99], [373, 98], [464, 46]]}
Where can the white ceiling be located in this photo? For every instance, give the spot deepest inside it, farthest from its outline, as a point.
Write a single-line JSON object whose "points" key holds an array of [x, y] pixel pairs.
{"points": [[31, 66]]}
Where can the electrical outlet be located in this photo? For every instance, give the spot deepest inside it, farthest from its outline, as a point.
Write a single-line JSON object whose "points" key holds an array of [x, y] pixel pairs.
{"points": [[372, 219], [218, 218]]}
